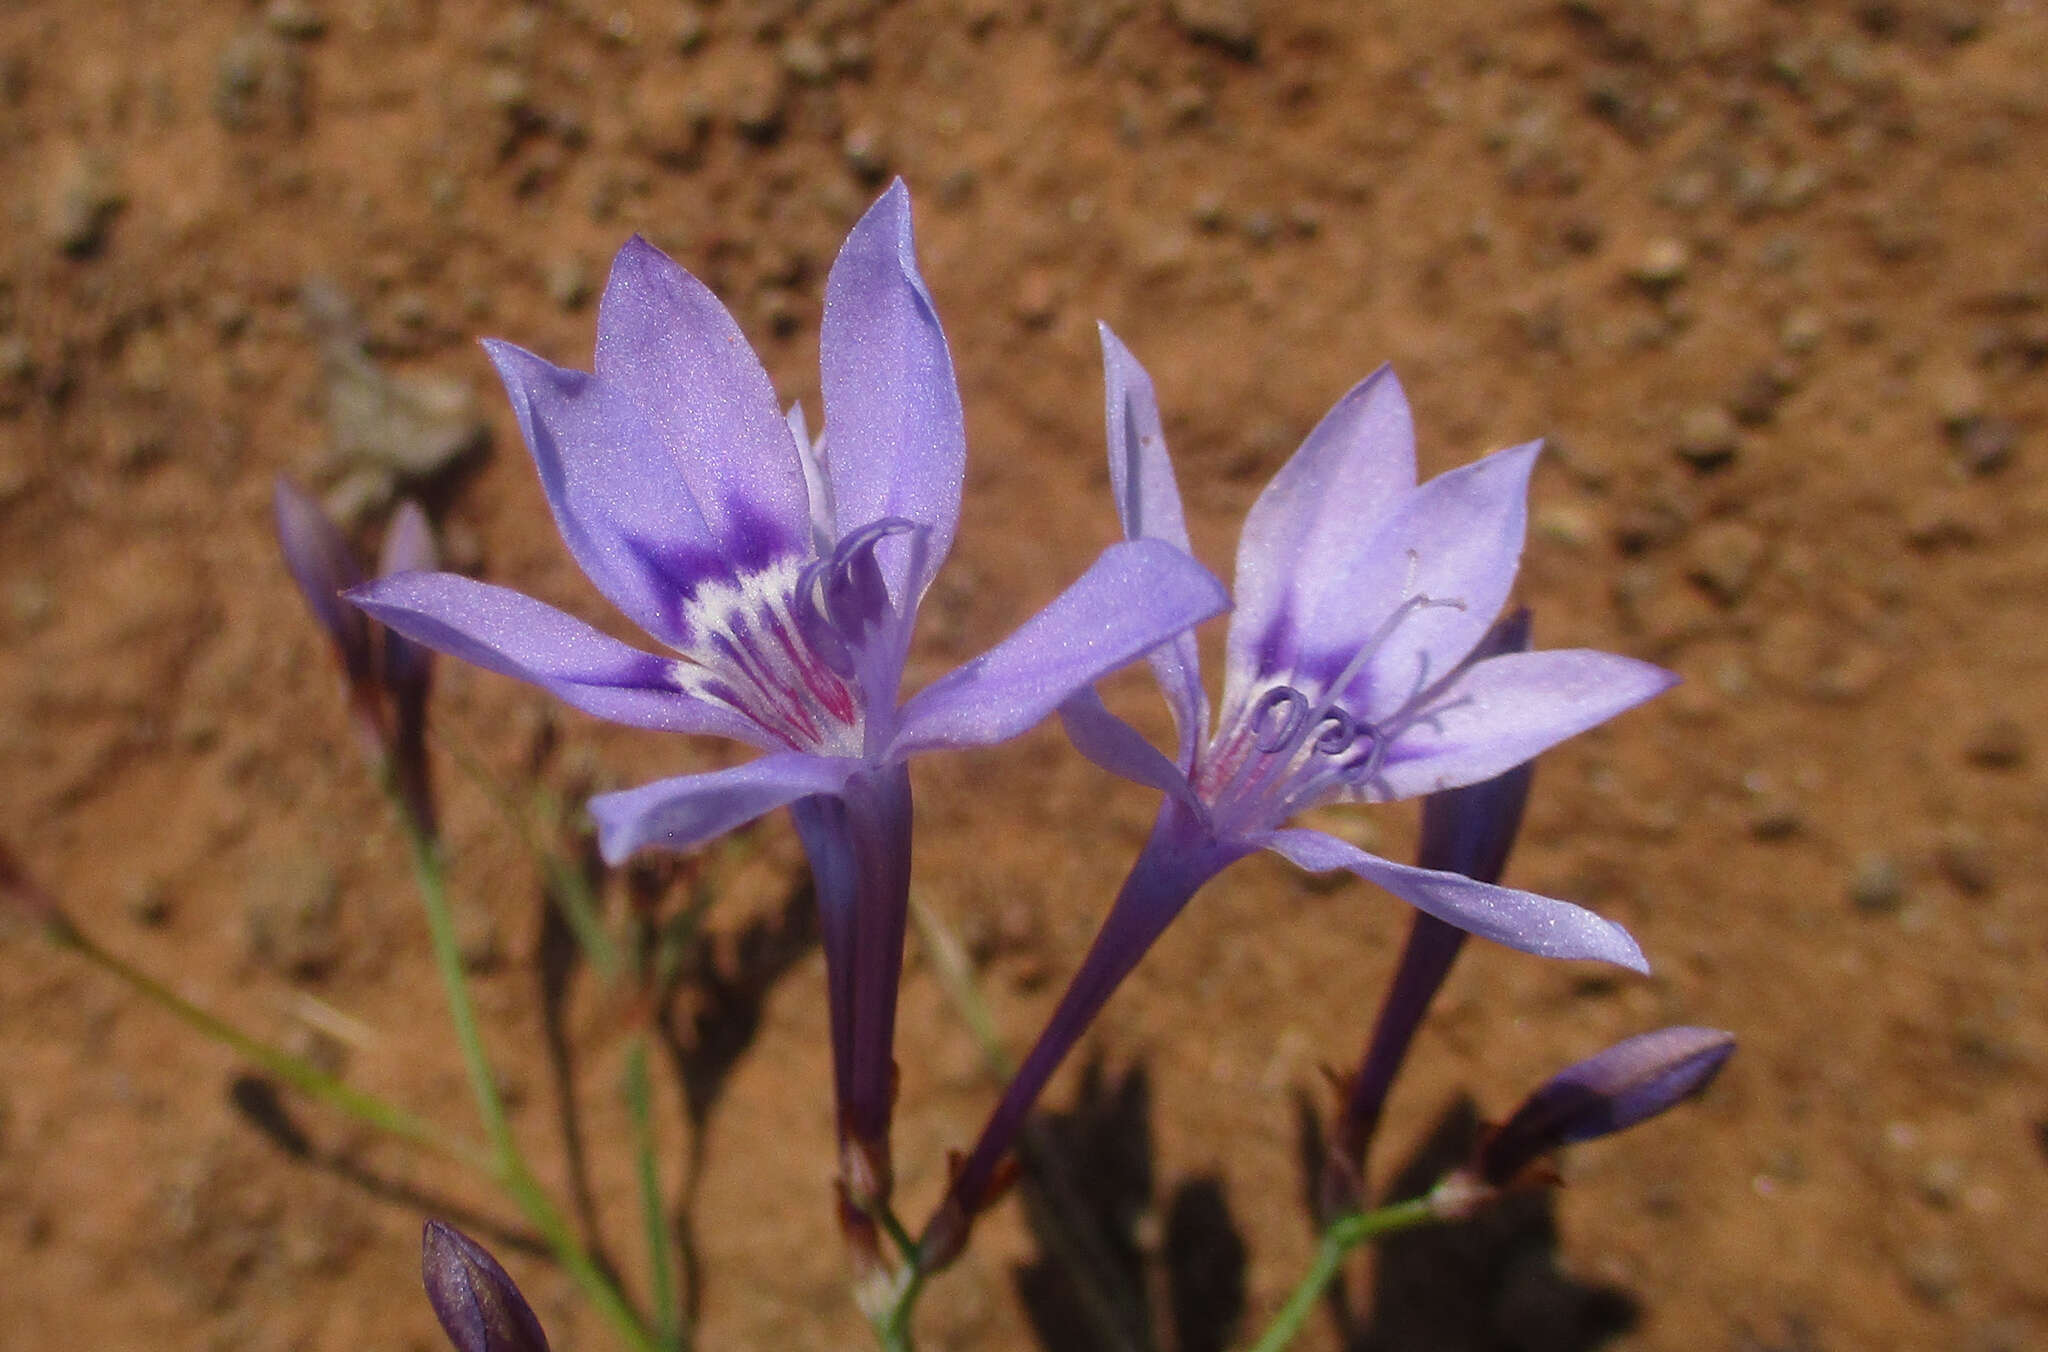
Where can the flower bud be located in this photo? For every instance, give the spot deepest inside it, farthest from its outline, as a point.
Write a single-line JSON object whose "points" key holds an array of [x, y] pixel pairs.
{"points": [[324, 566], [477, 1303], [1628, 1083]]}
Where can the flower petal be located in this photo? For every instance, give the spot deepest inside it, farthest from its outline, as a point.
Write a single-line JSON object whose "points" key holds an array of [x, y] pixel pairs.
{"points": [[706, 406], [1521, 920], [1455, 541], [691, 809], [510, 633], [1503, 711], [1121, 749], [1135, 597], [824, 518], [1148, 505], [323, 566], [892, 407], [1348, 475], [618, 494]]}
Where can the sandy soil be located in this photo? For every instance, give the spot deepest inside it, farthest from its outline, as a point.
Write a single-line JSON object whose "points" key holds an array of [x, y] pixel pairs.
{"points": [[1772, 277]]}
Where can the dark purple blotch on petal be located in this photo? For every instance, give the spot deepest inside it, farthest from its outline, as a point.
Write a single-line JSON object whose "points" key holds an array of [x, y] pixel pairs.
{"points": [[475, 1299], [1628, 1083]]}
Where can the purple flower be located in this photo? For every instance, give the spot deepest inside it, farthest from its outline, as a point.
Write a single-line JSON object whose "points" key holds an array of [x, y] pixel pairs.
{"points": [[1631, 1082], [783, 576], [1353, 674]]}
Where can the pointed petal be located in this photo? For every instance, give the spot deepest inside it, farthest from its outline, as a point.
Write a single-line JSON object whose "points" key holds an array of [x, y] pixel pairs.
{"points": [[1148, 505], [408, 542], [1505, 710], [705, 404], [1350, 473], [408, 548], [1135, 597], [510, 633], [1521, 920], [618, 494], [1121, 749], [1456, 541], [691, 809], [892, 407], [817, 483]]}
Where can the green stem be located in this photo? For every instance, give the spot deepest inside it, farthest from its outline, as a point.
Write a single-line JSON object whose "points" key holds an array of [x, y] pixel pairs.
{"points": [[892, 1330], [316, 1084], [511, 1169], [956, 975], [567, 885], [1344, 1235], [668, 1315]]}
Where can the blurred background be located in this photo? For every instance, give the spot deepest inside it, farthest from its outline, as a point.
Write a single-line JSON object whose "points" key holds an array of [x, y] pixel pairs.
{"points": [[1771, 277]]}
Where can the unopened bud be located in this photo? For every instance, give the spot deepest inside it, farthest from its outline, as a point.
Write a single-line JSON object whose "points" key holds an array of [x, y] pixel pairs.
{"points": [[324, 566], [1628, 1083], [477, 1302]]}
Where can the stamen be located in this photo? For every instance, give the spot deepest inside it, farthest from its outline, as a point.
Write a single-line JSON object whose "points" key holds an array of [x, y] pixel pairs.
{"points": [[1269, 739], [854, 595], [1339, 731]]}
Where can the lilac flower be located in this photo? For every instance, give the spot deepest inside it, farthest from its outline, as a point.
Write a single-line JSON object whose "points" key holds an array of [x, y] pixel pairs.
{"points": [[476, 1300], [1351, 675], [1631, 1082], [783, 576]]}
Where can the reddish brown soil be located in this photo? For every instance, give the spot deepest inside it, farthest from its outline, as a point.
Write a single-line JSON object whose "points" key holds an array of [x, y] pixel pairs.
{"points": [[1773, 277]]}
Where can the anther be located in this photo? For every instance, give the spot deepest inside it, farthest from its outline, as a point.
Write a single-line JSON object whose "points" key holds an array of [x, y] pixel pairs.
{"points": [[1270, 737], [1338, 732]]}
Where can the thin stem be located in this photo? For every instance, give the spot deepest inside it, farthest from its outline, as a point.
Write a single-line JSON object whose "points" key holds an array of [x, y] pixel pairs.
{"points": [[892, 1329], [567, 885], [316, 1084], [1064, 1230], [1343, 1235], [512, 1170], [949, 960], [668, 1315]]}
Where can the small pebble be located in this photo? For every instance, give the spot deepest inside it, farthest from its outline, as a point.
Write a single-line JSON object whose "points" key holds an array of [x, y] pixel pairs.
{"points": [[1957, 395], [1965, 860], [1933, 1274], [807, 59], [147, 901], [294, 19], [291, 914], [1707, 437], [1998, 743], [1662, 265], [1232, 25], [1725, 557], [1941, 1182], [866, 153], [757, 109], [567, 280], [1878, 886], [88, 197], [1985, 445], [1801, 332], [1776, 819]]}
